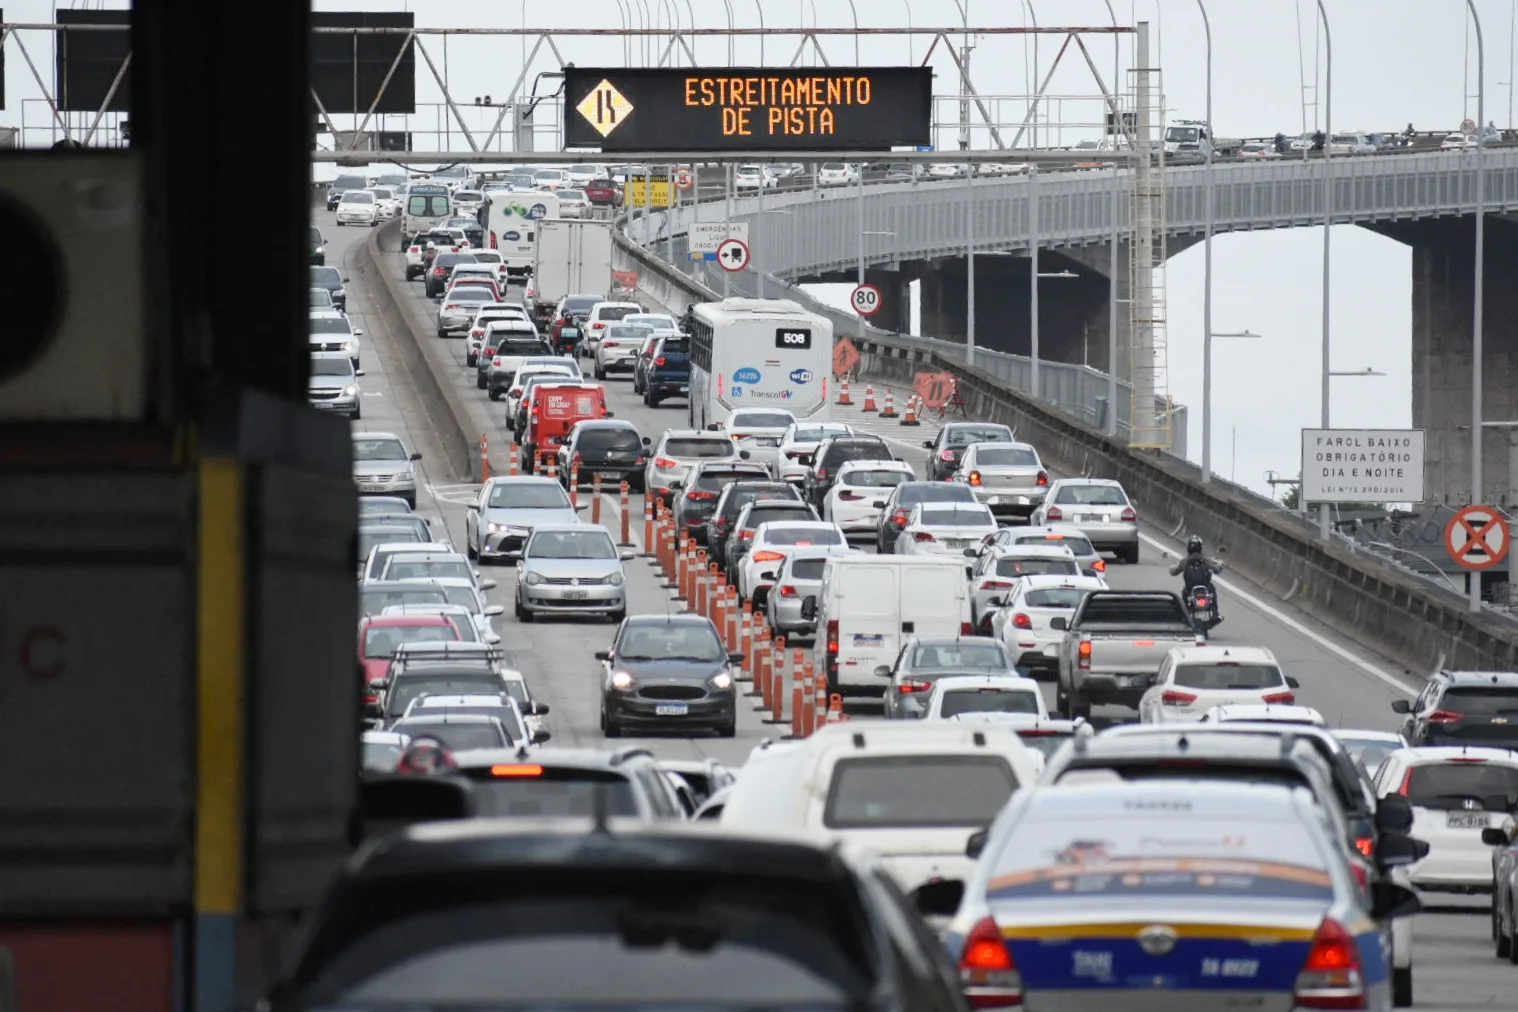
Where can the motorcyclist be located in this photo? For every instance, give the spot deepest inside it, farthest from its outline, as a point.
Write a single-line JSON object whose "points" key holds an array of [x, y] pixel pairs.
{"points": [[1197, 570], [1317, 140], [1280, 144], [566, 320], [689, 319]]}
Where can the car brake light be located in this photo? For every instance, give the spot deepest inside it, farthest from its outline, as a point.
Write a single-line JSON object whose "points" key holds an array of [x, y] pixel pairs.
{"points": [[1022, 621], [370, 699], [915, 685], [745, 535], [1366, 846], [611, 344], [822, 474], [946, 455], [966, 629], [1055, 513], [787, 591], [1445, 717], [439, 270], [1362, 876], [899, 518], [700, 494], [996, 585], [988, 976], [597, 325], [1043, 478], [974, 477], [516, 770], [476, 332], [848, 496], [453, 305], [832, 637], [664, 462], [923, 536], [768, 556], [414, 249], [1170, 697], [1128, 515], [1083, 655], [661, 360], [1284, 698], [1100, 565], [1330, 979]]}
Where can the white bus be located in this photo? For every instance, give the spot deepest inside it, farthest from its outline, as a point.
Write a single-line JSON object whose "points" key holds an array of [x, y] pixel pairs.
{"points": [[427, 206], [512, 225], [751, 353]]}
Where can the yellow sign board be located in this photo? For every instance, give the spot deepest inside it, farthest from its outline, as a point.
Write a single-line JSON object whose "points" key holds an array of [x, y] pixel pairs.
{"points": [[643, 193], [605, 108]]}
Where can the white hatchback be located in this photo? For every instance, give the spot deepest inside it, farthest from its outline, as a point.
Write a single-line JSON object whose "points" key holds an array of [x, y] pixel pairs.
{"points": [[358, 207], [939, 528], [855, 500], [1193, 680], [770, 545], [954, 695]]}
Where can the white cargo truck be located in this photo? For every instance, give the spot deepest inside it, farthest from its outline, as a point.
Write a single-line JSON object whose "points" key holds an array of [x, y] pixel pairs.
{"points": [[573, 257]]}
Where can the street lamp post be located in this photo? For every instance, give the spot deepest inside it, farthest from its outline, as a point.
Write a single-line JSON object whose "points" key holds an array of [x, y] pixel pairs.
{"points": [[1207, 268], [1328, 210], [1478, 307], [1032, 277], [970, 265]]}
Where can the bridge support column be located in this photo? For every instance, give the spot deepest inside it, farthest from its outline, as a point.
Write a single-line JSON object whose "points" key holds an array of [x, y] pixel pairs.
{"points": [[895, 301], [1096, 262]]}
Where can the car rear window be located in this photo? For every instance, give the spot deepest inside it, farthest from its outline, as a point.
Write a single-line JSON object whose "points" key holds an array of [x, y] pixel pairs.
{"points": [[1005, 456], [610, 313], [807, 569], [675, 346], [967, 434], [1480, 701], [330, 325], [407, 690], [1455, 785], [715, 480], [520, 346], [470, 293], [837, 453], [761, 420], [1080, 546], [455, 736], [699, 447], [803, 536], [1229, 676], [918, 791], [601, 440], [874, 479], [372, 602], [948, 516], [972, 656], [1058, 597], [1038, 567], [523, 789], [1091, 495], [769, 513], [939, 491], [988, 699]]}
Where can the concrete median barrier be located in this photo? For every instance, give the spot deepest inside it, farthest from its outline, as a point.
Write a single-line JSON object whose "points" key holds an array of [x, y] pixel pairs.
{"points": [[1399, 615]]}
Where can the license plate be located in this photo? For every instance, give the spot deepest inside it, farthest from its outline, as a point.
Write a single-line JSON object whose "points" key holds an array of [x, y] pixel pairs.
{"points": [[369, 486], [671, 710], [766, 441], [1091, 518], [1468, 820], [956, 543], [868, 641], [685, 390], [608, 474], [575, 595]]}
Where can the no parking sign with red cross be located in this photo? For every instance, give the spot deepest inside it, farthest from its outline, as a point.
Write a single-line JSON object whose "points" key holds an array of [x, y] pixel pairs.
{"points": [[1477, 538]]}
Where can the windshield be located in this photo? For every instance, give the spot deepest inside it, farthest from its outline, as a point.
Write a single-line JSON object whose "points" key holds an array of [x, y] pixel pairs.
{"points": [[400, 569], [1005, 456], [330, 325], [383, 192], [525, 496], [988, 699], [874, 479], [964, 435], [379, 449], [1452, 786], [918, 791], [1037, 567], [1480, 701], [1060, 597], [940, 516], [381, 642], [760, 420], [699, 447], [1092, 495], [348, 183], [609, 440], [456, 736], [326, 276], [670, 641], [1176, 855], [320, 298], [372, 602], [1079, 546], [571, 545], [802, 536], [977, 656], [338, 365], [358, 197], [1240, 677]]}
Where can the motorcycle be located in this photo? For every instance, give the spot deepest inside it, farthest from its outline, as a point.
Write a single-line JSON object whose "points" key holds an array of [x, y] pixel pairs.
{"points": [[1202, 608], [567, 341]]}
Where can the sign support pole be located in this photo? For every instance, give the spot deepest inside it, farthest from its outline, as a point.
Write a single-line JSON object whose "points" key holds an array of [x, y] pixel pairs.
{"points": [[727, 183]]}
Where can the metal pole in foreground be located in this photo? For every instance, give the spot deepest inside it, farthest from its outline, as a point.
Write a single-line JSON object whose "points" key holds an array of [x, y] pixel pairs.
{"points": [[1478, 308], [970, 265], [1033, 279], [727, 177], [859, 205], [1112, 275], [1207, 269], [1328, 211]]}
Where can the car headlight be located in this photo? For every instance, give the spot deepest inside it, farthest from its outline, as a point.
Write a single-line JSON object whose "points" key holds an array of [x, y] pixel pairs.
{"points": [[722, 680], [622, 681], [615, 579], [338, 293], [321, 249], [533, 579], [350, 391], [350, 346], [497, 528]]}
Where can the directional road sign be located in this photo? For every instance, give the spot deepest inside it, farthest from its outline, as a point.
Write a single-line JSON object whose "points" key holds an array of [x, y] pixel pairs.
{"points": [[1477, 538], [866, 300], [732, 255]]}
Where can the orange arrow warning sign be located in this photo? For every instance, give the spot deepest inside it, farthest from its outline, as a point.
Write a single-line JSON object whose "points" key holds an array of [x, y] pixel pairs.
{"points": [[1477, 538]]}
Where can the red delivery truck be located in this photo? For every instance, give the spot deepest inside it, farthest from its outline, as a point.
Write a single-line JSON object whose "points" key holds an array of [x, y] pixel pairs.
{"points": [[554, 410]]}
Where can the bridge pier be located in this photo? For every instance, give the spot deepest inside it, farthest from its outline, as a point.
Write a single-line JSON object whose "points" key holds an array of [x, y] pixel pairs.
{"points": [[1443, 289]]}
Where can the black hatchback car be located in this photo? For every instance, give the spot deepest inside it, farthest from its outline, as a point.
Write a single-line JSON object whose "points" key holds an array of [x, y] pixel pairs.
{"points": [[669, 672], [1478, 708], [333, 281], [730, 502], [831, 455], [952, 440], [318, 247], [609, 448], [581, 914], [694, 506]]}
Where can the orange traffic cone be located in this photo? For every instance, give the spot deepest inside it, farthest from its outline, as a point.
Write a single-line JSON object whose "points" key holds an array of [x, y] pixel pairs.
{"points": [[869, 398], [835, 708], [890, 406], [910, 418], [843, 393]]}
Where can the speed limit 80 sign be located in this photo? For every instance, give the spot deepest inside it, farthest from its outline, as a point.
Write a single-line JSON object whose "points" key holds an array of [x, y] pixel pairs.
{"points": [[865, 300]]}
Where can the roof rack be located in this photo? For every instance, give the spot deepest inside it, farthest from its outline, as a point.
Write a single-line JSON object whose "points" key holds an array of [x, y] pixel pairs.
{"points": [[448, 650]]}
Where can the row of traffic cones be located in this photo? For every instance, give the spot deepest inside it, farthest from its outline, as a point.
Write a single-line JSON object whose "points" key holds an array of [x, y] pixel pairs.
{"points": [[912, 416]]}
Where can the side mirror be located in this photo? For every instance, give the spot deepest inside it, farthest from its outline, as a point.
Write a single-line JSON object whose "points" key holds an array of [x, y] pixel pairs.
{"points": [[676, 485], [491, 639], [416, 456], [1394, 814], [971, 553], [809, 608], [994, 602], [345, 279], [492, 610], [1394, 850], [358, 372], [927, 444], [878, 504], [581, 507], [976, 843], [1389, 901], [627, 555], [712, 427], [1402, 706], [768, 574], [536, 709], [1058, 622], [647, 441], [357, 332], [603, 655], [1292, 683], [883, 671], [1494, 837], [939, 897], [487, 585], [743, 455], [736, 657], [609, 414], [539, 737]]}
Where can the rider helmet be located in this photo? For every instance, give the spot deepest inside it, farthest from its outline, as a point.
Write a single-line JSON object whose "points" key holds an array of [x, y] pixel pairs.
{"points": [[1194, 545]]}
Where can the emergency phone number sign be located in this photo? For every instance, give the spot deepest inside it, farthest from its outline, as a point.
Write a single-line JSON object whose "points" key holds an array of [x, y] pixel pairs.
{"points": [[748, 108]]}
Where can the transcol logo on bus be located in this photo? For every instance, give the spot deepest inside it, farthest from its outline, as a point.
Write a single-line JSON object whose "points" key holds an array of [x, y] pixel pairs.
{"points": [[801, 376]]}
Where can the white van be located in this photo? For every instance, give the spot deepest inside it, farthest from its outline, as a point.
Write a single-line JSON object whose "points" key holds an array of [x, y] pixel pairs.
{"points": [[868, 604], [912, 791]]}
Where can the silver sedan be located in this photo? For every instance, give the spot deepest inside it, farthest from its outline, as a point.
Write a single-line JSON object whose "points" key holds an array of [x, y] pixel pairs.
{"points": [[1099, 508], [503, 517], [571, 569]]}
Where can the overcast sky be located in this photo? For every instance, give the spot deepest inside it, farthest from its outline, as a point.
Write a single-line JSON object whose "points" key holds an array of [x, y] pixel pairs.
{"points": [[1396, 61]]}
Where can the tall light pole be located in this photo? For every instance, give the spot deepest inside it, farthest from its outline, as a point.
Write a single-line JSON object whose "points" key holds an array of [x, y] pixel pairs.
{"points": [[907, 4], [1112, 269], [855, 12], [1207, 267], [1478, 307], [729, 5], [1328, 212], [1032, 277], [970, 264], [761, 40]]}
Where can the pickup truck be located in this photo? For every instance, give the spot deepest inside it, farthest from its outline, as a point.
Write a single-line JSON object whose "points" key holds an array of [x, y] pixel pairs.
{"points": [[1114, 645]]}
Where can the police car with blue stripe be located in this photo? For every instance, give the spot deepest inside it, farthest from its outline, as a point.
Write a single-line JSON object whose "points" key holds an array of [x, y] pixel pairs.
{"points": [[1148, 896]]}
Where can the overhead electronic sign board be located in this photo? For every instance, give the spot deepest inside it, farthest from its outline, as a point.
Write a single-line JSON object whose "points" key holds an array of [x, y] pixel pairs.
{"points": [[748, 108]]}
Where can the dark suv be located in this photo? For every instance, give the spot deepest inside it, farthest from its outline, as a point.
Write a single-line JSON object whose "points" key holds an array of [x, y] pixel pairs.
{"points": [[697, 501], [831, 454], [667, 374], [318, 247], [760, 511], [436, 278], [898, 507], [607, 447], [730, 502], [1477, 708], [952, 440]]}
